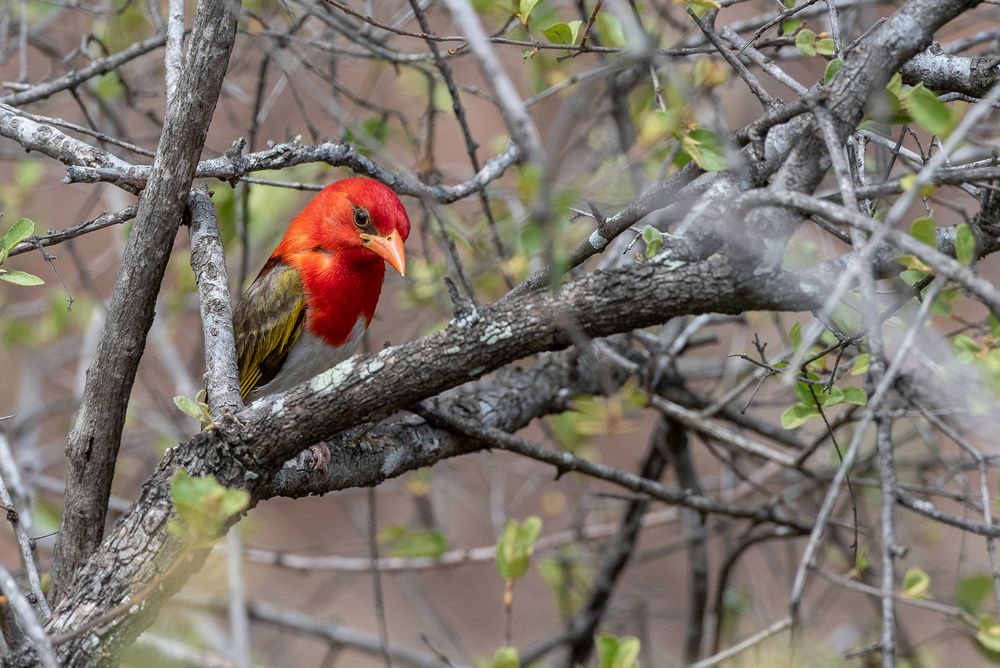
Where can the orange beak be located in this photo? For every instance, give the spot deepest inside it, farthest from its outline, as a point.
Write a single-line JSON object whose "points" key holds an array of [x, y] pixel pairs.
{"points": [[389, 248]]}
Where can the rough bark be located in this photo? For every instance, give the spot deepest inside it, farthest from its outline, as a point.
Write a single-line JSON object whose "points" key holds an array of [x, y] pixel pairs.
{"points": [[249, 449], [94, 441]]}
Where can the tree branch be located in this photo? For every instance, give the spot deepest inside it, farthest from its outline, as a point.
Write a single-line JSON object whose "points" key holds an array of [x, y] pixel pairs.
{"points": [[93, 443], [209, 265]]}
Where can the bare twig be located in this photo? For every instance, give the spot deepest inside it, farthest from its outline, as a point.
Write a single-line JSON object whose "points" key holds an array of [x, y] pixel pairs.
{"points": [[30, 624], [209, 265], [10, 473], [239, 622]]}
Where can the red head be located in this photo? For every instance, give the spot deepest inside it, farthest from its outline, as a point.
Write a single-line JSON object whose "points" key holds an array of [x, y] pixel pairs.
{"points": [[357, 217], [338, 243]]}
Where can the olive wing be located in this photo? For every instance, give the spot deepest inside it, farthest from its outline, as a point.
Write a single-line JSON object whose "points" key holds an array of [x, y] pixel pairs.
{"points": [[268, 321]]}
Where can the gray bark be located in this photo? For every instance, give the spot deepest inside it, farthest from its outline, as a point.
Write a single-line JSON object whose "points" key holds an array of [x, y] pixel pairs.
{"points": [[96, 436]]}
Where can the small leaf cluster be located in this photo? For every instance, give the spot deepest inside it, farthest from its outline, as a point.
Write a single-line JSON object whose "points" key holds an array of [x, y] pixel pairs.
{"points": [[567, 33], [196, 408], [924, 230], [506, 657], [705, 148], [983, 353], [614, 652], [806, 409], [701, 7], [569, 579], [403, 542], [653, 239], [563, 33], [970, 594], [813, 393], [595, 415], [372, 133], [516, 545], [916, 584], [920, 105], [810, 44], [17, 233], [203, 507]]}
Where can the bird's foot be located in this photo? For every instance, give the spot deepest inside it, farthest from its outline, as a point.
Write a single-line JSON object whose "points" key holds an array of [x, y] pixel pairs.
{"points": [[321, 458]]}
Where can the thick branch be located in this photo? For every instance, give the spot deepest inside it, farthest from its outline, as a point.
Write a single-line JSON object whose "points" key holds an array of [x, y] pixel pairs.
{"points": [[866, 70], [96, 435], [958, 74], [249, 450], [365, 388]]}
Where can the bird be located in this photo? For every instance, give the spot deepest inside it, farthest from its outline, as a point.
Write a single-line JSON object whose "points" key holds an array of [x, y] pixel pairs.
{"points": [[316, 294]]}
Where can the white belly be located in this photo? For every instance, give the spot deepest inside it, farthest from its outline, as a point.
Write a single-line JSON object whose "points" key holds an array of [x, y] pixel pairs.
{"points": [[309, 356]]}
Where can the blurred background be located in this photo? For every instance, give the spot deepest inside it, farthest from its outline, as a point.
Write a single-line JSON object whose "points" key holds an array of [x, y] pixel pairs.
{"points": [[612, 122]]}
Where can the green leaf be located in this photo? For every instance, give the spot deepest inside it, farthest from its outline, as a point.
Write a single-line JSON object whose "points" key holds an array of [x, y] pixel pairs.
{"points": [[916, 584], [989, 633], [406, 543], [529, 182], [860, 365], [942, 303], [607, 645], [615, 652], [928, 111], [192, 408], [610, 28], [861, 561], [563, 33], [203, 506], [108, 87], [789, 26], [703, 4], [832, 398], [832, 68], [798, 415], [913, 262], [653, 248], [965, 245], [923, 229], [17, 233], [806, 42], [856, 395], [908, 182], [895, 85], [19, 277], [516, 545], [804, 394], [706, 149], [653, 239], [795, 335], [525, 7], [993, 323], [965, 343], [826, 47], [506, 657], [568, 578], [971, 591], [911, 276]]}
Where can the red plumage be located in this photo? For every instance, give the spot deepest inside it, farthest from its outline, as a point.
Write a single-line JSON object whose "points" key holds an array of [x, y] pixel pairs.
{"points": [[318, 291], [344, 285]]}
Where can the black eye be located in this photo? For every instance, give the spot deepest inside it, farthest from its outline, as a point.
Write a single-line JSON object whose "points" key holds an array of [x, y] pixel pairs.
{"points": [[362, 219]]}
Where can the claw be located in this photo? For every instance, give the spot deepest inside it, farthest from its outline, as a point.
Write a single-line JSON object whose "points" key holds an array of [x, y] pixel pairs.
{"points": [[321, 458]]}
